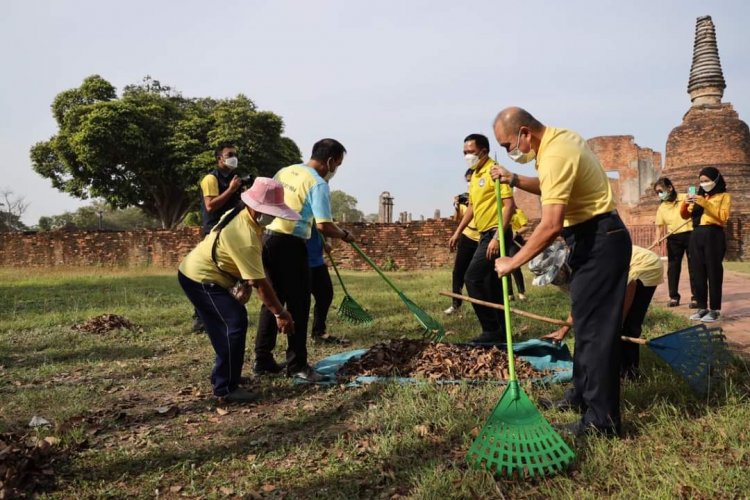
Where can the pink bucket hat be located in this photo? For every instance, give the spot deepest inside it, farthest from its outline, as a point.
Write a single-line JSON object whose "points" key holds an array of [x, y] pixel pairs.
{"points": [[267, 197]]}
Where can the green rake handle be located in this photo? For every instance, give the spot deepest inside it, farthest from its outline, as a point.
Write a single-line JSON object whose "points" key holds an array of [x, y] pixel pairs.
{"points": [[506, 299], [336, 269], [374, 266]]}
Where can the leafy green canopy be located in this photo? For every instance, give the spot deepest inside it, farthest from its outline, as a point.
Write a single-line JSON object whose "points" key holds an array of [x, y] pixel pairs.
{"points": [[150, 147]]}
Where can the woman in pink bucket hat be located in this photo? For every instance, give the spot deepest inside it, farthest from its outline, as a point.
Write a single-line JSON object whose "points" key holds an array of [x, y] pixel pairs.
{"points": [[218, 275]]}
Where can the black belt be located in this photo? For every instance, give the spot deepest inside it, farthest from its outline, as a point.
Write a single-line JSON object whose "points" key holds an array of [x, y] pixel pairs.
{"points": [[587, 224]]}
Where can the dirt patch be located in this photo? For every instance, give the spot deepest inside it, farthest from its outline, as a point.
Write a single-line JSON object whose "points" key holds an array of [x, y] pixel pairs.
{"points": [[435, 361], [104, 324]]}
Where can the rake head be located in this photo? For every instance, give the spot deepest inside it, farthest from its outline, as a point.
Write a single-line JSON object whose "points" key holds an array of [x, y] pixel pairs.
{"points": [[434, 330], [517, 441], [696, 353], [352, 312]]}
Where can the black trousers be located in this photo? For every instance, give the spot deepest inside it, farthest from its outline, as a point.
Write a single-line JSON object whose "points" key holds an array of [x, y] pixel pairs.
{"points": [[225, 321], [322, 291], [599, 257], [464, 253], [482, 283], [632, 326], [286, 266], [707, 248], [677, 246], [514, 248]]}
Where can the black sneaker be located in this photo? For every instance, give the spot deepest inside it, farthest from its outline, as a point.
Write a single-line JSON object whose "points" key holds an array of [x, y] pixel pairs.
{"points": [[308, 374], [673, 303], [240, 395], [693, 305], [198, 326], [711, 317], [487, 338], [270, 367], [579, 430]]}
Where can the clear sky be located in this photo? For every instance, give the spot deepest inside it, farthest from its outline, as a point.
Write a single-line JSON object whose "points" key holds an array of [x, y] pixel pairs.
{"points": [[400, 83]]}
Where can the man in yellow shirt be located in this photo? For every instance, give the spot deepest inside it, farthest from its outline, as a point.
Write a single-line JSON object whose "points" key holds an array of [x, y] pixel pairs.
{"points": [[645, 274], [465, 248], [232, 252], [285, 258], [481, 282], [577, 202]]}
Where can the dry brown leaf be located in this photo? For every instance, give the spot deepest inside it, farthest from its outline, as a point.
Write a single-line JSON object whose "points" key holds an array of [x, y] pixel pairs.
{"points": [[421, 430], [227, 490], [176, 488], [222, 411], [268, 488]]}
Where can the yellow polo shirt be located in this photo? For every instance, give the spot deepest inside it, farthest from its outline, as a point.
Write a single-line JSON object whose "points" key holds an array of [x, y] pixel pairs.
{"points": [[238, 253], [716, 209], [518, 220], [482, 196], [645, 266], [470, 231], [210, 185], [668, 214], [570, 174]]}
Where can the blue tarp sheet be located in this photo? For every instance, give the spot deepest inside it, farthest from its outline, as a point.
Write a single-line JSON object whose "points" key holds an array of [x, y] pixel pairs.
{"points": [[540, 354]]}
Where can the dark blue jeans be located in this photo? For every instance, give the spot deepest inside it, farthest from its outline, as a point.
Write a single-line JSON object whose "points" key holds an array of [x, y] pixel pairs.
{"points": [[225, 320]]}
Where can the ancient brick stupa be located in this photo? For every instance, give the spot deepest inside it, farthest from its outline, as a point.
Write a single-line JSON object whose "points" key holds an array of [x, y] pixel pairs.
{"points": [[711, 134]]}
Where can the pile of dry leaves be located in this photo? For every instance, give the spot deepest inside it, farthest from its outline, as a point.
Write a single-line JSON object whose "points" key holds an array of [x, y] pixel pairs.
{"points": [[435, 361], [26, 463], [104, 323]]}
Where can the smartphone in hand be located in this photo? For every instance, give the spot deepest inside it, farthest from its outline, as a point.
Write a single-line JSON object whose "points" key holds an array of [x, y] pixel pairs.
{"points": [[692, 191]]}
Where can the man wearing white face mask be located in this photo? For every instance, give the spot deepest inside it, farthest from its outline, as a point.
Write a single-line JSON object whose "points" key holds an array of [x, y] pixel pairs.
{"points": [[220, 188], [577, 202], [285, 257], [481, 282]]}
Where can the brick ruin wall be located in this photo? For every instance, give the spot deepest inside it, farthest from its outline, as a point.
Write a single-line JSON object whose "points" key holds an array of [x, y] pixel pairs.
{"points": [[409, 246]]}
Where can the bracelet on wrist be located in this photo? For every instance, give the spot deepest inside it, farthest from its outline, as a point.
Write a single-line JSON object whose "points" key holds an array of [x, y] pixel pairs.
{"points": [[283, 310]]}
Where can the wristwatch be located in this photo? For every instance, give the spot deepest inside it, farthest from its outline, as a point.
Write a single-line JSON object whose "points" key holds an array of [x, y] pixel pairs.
{"points": [[513, 180]]}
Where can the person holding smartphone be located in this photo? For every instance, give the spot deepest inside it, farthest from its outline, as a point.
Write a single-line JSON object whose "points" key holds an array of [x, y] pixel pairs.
{"points": [[678, 239], [709, 208]]}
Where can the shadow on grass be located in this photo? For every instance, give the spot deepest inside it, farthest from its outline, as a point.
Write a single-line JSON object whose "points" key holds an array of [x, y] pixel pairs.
{"points": [[22, 358], [257, 437]]}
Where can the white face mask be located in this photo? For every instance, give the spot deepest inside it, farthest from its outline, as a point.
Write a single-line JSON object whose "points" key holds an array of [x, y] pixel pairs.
{"points": [[471, 160], [664, 195], [708, 186], [517, 156], [330, 175], [265, 219], [230, 163]]}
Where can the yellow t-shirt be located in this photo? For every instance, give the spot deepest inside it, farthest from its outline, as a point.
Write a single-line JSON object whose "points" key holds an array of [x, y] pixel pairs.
{"points": [[518, 220], [238, 253], [210, 185], [570, 174], [469, 231], [716, 209], [668, 214], [306, 193], [645, 266], [482, 196]]}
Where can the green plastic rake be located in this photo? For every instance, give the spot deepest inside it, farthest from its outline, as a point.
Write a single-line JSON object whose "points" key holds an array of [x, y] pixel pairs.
{"points": [[349, 310], [517, 441], [433, 328]]}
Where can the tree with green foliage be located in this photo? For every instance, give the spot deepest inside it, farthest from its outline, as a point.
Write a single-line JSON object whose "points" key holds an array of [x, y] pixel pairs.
{"points": [[150, 147], [344, 207], [99, 215]]}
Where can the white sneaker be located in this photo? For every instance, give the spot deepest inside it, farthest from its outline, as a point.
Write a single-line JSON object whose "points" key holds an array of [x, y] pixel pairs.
{"points": [[451, 310], [711, 317], [521, 296]]}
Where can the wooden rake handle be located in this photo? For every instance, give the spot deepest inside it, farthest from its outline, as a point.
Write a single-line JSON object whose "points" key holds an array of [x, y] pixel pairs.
{"points": [[500, 306], [635, 340], [669, 234]]}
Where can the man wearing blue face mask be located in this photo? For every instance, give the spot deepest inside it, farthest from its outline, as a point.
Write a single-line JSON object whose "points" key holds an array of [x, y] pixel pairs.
{"points": [[285, 256], [577, 203]]}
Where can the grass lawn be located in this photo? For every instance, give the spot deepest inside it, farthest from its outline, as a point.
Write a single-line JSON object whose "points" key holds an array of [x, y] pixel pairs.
{"points": [[102, 392], [740, 267]]}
